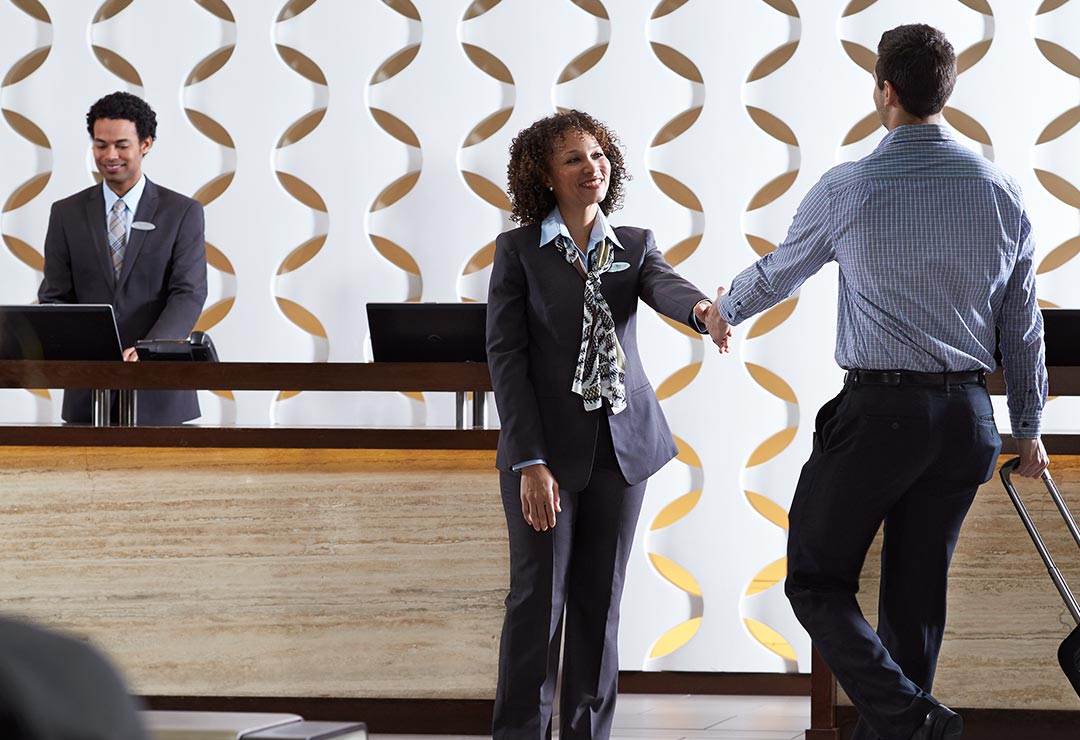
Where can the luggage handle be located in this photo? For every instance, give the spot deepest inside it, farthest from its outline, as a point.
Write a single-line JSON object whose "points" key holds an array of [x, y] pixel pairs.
{"points": [[1063, 508]]}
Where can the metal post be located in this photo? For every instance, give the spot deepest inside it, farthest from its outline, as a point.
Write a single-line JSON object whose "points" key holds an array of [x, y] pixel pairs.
{"points": [[459, 409], [101, 404], [478, 403], [127, 407]]}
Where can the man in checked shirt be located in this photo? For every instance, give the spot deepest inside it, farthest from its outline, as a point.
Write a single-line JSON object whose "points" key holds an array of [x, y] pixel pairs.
{"points": [[935, 255]]}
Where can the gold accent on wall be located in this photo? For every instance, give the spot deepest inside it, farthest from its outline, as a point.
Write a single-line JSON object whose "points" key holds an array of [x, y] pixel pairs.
{"points": [[582, 63], [675, 638], [772, 190], [217, 259], [1059, 56], [972, 55], [773, 61], [677, 381], [980, 5], [397, 62], [787, 7], [213, 315], [772, 318], [488, 191], [677, 62], [675, 511], [1059, 255], [218, 8], [686, 453], [394, 126], [30, 131], [478, 8], [667, 6], [209, 192], [768, 508], [25, 253], [676, 126], [680, 327], [300, 316], [488, 63], [859, 54], [109, 8], [405, 7], [27, 191], [1060, 125], [396, 255], [862, 129], [772, 382], [209, 128], [41, 393], [302, 254], [119, 66], [676, 190], [210, 64], [479, 261], [302, 64], [770, 638], [34, 9], [302, 191], [294, 8], [1059, 187], [681, 251], [593, 7], [26, 66], [488, 127], [1049, 5], [395, 191], [772, 447], [772, 125], [675, 574], [760, 246], [966, 125], [303, 126], [856, 6], [768, 577]]}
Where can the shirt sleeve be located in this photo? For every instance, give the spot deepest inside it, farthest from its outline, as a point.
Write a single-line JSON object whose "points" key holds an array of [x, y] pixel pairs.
{"points": [[774, 277], [1023, 353]]}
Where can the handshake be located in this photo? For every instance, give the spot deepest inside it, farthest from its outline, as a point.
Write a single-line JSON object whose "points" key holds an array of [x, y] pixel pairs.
{"points": [[709, 315]]}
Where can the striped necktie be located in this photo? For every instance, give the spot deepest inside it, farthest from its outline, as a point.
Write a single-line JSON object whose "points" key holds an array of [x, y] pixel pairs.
{"points": [[117, 235]]}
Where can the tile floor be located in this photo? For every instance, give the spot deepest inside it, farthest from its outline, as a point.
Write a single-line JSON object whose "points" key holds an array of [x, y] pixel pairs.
{"points": [[665, 717]]}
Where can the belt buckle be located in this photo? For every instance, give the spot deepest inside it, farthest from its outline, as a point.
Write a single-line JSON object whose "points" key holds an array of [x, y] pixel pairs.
{"points": [[890, 378]]}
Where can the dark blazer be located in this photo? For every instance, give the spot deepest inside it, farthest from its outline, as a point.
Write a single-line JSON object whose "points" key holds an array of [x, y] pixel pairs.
{"points": [[534, 317], [160, 292]]}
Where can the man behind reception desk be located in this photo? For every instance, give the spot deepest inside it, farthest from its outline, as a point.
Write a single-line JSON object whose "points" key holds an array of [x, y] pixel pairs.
{"points": [[132, 244]]}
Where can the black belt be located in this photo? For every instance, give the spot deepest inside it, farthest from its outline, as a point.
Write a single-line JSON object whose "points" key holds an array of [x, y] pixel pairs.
{"points": [[910, 377]]}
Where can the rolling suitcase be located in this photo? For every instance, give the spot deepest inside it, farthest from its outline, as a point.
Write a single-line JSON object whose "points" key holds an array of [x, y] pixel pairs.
{"points": [[1069, 651]]}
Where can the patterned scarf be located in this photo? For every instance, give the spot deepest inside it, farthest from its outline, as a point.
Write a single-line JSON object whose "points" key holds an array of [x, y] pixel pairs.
{"points": [[601, 365]]}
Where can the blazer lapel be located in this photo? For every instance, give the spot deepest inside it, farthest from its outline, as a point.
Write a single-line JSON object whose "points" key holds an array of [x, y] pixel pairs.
{"points": [[95, 224], [147, 208]]}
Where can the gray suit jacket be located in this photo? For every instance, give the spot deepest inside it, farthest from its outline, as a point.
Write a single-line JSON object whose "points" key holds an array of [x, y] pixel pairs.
{"points": [[534, 317], [160, 292]]}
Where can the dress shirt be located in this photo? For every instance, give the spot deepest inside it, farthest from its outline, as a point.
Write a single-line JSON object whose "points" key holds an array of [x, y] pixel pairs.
{"points": [[935, 254], [131, 199]]}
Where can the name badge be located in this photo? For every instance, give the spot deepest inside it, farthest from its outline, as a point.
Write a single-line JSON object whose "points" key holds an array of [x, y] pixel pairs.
{"points": [[143, 225], [618, 266]]}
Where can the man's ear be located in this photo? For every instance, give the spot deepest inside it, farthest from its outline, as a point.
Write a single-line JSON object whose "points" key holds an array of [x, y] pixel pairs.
{"points": [[145, 145], [891, 99]]}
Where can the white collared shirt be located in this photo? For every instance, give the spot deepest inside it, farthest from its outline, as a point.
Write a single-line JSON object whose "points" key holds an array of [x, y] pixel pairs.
{"points": [[131, 200], [553, 225]]}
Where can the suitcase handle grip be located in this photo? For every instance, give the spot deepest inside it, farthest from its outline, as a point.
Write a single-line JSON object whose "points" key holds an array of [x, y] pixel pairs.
{"points": [[1063, 509]]}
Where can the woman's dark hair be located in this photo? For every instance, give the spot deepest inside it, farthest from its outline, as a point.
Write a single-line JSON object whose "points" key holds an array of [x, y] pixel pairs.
{"points": [[530, 152], [126, 107], [921, 65]]}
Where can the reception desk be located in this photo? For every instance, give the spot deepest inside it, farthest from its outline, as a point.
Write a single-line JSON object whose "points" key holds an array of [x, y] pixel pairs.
{"points": [[333, 572], [998, 662]]}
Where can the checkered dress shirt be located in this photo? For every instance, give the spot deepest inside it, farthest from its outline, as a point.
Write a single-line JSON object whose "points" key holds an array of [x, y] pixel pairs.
{"points": [[935, 255]]}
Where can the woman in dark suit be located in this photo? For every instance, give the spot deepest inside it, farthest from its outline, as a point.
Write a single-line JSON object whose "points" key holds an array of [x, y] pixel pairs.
{"points": [[581, 427]]}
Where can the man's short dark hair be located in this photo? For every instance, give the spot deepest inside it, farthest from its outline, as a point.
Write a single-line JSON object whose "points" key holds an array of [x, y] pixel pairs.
{"points": [[921, 65], [125, 107]]}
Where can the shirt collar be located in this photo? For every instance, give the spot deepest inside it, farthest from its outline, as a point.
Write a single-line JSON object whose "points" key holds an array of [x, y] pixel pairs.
{"points": [[553, 225], [131, 198], [917, 132]]}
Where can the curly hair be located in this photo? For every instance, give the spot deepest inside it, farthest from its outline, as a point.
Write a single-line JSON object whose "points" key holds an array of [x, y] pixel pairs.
{"points": [[126, 107], [530, 152]]}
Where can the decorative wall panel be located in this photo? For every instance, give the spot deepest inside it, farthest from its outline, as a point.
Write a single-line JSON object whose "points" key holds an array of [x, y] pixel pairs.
{"points": [[350, 151]]}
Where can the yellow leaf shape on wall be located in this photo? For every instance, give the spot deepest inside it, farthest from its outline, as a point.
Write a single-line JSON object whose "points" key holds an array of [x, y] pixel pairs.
{"points": [[675, 511], [862, 129], [773, 61], [675, 638], [768, 508], [967, 125], [677, 126], [772, 190], [1058, 127], [680, 327], [1059, 187], [772, 447], [772, 125], [686, 453], [771, 382], [682, 250], [772, 318], [1059, 255], [770, 638], [675, 574], [769, 576], [760, 246], [677, 381]]}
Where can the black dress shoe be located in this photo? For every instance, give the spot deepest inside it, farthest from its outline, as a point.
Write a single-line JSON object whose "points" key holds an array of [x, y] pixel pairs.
{"points": [[941, 723]]}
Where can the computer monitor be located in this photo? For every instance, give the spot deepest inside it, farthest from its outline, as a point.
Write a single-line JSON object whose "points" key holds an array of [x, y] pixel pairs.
{"points": [[428, 332], [1062, 329], [59, 331]]}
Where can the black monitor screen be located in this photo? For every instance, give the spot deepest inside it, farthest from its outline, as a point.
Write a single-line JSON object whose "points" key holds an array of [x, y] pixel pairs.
{"points": [[59, 332], [428, 332]]}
